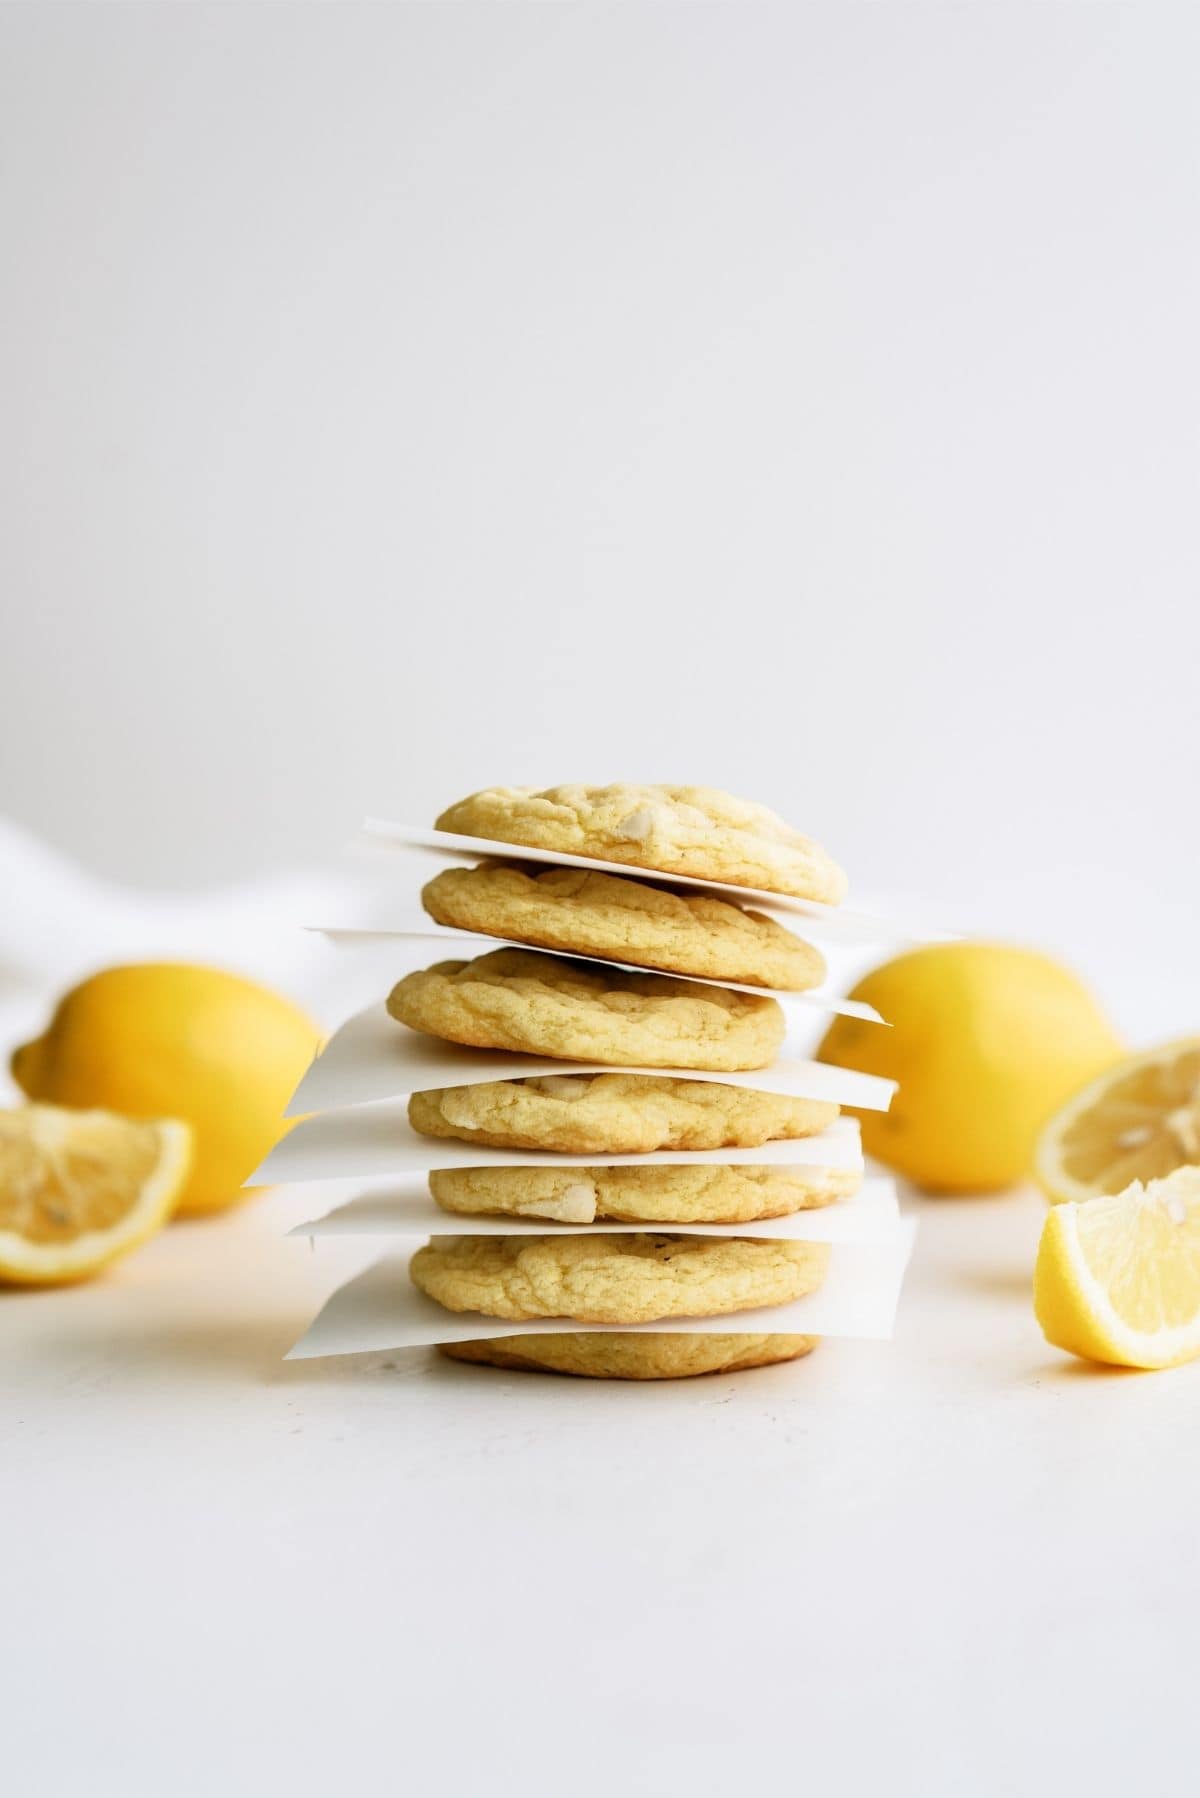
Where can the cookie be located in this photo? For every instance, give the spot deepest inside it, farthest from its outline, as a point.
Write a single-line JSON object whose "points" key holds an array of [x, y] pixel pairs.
{"points": [[613, 919], [636, 1355], [597, 1279], [614, 1114], [670, 830], [581, 1011], [661, 1194]]}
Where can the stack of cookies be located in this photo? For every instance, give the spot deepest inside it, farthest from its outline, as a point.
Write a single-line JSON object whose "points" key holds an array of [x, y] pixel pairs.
{"points": [[615, 968]]}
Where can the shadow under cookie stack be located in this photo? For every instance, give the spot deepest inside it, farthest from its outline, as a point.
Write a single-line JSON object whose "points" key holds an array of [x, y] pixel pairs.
{"points": [[625, 1173]]}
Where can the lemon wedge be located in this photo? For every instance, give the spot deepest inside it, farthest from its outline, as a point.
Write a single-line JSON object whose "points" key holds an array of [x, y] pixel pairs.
{"points": [[1139, 1120], [79, 1188], [1118, 1278]]}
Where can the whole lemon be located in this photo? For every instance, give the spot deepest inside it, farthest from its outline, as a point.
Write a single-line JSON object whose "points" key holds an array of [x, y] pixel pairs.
{"points": [[986, 1042], [170, 1039]]}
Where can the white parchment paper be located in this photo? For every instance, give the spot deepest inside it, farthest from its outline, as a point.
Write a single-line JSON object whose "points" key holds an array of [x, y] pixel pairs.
{"points": [[840, 922], [406, 1209], [382, 1309], [366, 1140], [373, 1057]]}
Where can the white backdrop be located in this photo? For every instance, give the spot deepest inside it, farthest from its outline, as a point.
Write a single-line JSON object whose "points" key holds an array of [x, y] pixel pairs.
{"points": [[798, 399]]}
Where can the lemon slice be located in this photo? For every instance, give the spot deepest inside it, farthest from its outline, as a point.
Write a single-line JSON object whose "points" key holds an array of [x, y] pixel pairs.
{"points": [[1138, 1121], [79, 1188], [1118, 1278]]}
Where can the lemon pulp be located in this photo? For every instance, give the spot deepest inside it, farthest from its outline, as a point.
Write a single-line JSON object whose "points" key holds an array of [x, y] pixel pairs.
{"points": [[79, 1188]]}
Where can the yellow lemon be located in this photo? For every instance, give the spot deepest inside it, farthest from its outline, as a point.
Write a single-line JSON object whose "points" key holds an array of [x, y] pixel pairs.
{"points": [[169, 1039], [1137, 1121], [986, 1041], [1118, 1278], [79, 1188]]}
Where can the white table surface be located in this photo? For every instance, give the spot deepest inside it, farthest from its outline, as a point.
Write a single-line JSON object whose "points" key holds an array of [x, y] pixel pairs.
{"points": [[956, 1563]]}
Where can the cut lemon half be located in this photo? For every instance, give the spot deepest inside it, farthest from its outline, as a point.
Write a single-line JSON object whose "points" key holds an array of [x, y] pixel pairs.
{"points": [[79, 1188], [1118, 1278], [1138, 1121]]}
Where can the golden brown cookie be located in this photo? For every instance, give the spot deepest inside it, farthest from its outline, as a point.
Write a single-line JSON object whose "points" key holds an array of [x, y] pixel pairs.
{"points": [[632, 1355], [697, 831], [613, 919], [614, 1114], [582, 1011], [661, 1194], [604, 1279]]}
